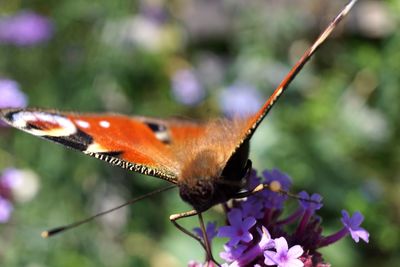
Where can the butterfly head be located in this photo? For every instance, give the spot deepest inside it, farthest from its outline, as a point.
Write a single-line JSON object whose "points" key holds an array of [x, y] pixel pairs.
{"points": [[199, 195], [203, 193], [208, 182]]}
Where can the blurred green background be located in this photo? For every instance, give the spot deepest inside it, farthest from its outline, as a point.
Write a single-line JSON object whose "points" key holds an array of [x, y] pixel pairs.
{"points": [[335, 132]]}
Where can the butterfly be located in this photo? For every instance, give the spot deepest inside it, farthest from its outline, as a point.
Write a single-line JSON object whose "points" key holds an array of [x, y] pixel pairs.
{"points": [[208, 162]]}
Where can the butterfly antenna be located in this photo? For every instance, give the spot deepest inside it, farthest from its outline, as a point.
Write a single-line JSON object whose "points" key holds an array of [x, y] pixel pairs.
{"points": [[297, 67], [64, 228]]}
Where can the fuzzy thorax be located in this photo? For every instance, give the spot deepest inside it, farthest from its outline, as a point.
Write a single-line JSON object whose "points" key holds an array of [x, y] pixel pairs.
{"points": [[198, 179]]}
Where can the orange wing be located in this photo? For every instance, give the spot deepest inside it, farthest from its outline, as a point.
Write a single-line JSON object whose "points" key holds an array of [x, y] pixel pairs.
{"points": [[137, 143]]}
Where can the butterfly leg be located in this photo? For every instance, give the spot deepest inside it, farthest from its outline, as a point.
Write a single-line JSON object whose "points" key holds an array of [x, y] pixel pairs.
{"points": [[206, 241], [206, 245], [174, 217]]}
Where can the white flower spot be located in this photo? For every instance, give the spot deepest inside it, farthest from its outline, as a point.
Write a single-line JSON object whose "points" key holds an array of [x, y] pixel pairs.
{"points": [[104, 124], [83, 124]]}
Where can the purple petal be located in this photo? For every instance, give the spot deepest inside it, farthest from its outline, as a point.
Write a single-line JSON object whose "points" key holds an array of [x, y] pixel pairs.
{"points": [[295, 251], [211, 230], [281, 245], [247, 237], [226, 231], [198, 232], [269, 257], [255, 251], [254, 180], [345, 218], [357, 218], [360, 233], [293, 263], [309, 203], [248, 223], [235, 217], [353, 223], [266, 242], [252, 209], [232, 253], [230, 232], [275, 201]]}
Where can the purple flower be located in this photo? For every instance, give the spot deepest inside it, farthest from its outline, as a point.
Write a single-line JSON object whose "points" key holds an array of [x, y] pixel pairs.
{"points": [[232, 253], [10, 177], [353, 223], [211, 230], [25, 28], [239, 227], [186, 87], [254, 180], [11, 96], [256, 251], [284, 256], [240, 100], [312, 203], [270, 199], [276, 175], [5, 210], [252, 209]]}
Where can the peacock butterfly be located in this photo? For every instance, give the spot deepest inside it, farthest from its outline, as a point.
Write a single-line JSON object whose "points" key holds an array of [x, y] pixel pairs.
{"points": [[207, 161]]}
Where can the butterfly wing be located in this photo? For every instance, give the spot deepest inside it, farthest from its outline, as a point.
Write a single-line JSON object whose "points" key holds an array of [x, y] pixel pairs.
{"points": [[136, 143], [254, 121]]}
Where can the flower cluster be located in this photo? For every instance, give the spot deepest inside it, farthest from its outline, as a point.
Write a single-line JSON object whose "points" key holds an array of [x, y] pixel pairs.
{"points": [[258, 234]]}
